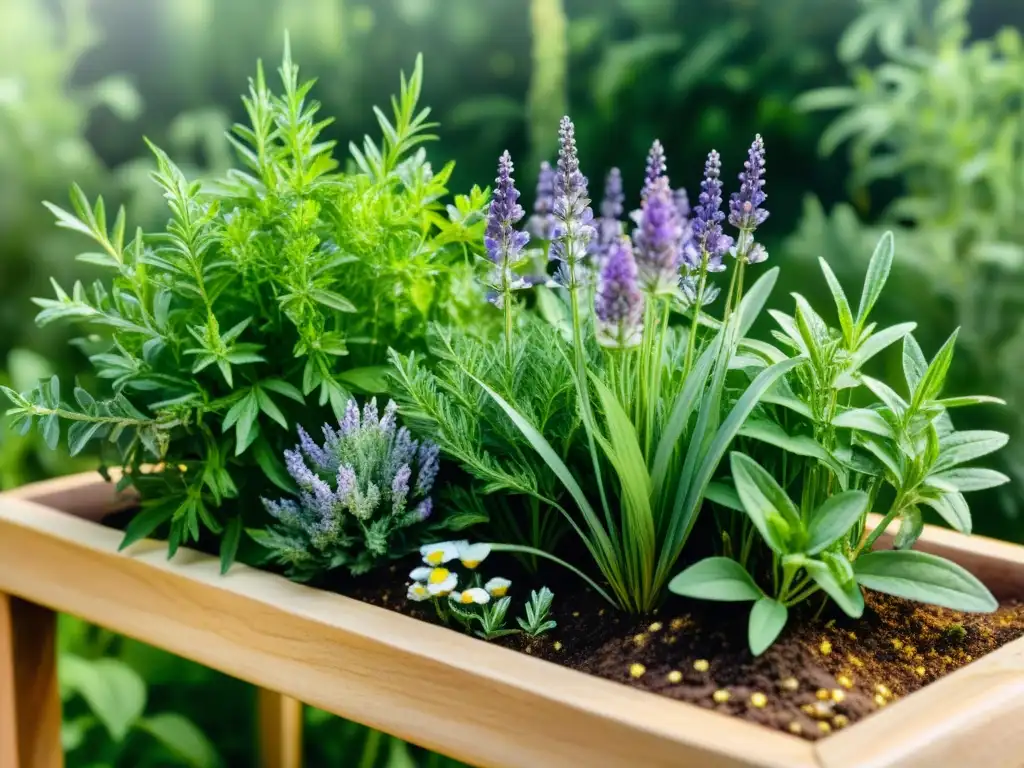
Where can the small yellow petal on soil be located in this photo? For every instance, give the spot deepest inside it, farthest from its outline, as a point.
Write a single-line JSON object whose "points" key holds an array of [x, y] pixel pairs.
{"points": [[601, 612], [880, 700], [808, 709], [701, 665], [825, 647], [897, 644], [919, 671], [789, 684], [824, 727], [823, 694], [838, 695], [656, 626], [640, 639], [840, 721], [854, 660], [637, 670], [883, 691], [845, 681], [677, 623], [675, 676], [795, 728], [721, 696], [575, 614], [852, 635], [759, 700], [557, 645]]}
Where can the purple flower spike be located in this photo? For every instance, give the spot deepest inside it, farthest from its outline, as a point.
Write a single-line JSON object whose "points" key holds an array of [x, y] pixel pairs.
{"points": [[659, 240], [541, 224], [573, 216], [503, 241], [745, 211], [611, 205], [707, 224], [618, 303], [656, 167]]}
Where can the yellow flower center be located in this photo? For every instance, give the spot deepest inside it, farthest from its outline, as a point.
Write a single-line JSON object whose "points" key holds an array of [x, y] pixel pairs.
{"points": [[467, 598], [438, 575], [419, 590], [499, 591], [471, 563], [434, 558]]}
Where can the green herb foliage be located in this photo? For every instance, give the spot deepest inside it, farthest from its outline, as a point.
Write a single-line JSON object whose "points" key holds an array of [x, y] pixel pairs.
{"points": [[271, 295], [825, 462]]}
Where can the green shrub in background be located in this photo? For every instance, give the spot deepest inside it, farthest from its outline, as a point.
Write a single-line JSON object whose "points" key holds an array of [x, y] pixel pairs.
{"points": [[938, 127]]}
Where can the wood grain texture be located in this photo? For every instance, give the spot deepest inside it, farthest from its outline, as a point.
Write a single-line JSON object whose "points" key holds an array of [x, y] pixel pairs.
{"points": [[480, 703], [476, 702], [30, 713], [279, 726]]}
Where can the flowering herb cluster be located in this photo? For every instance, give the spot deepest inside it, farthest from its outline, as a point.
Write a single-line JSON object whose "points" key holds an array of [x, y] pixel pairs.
{"points": [[272, 295], [363, 495]]}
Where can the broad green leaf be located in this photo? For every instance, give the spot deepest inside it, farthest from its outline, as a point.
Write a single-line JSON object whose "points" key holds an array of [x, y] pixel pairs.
{"points": [[767, 620], [761, 496], [370, 378], [114, 692], [842, 303], [881, 451], [834, 518], [182, 737], [272, 467], [770, 432], [877, 274], [925, 578], [229, 543], [716, 578], [953, 508], [282, 387], [724, 495], [864, 419], [846, 595], [753, 301], [332, 300], [910, 530], [877, 342], [269, 407], [151, 517], [886, 394], [966, 479], [959, 447], [915, 365]]}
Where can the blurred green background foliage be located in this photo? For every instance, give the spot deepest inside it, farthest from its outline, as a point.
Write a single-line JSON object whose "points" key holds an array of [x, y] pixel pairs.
{"points": [[877, 114]]}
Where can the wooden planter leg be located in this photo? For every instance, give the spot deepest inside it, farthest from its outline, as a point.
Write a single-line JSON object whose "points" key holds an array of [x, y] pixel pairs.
{"points": [[29, 695], [280, 730]]}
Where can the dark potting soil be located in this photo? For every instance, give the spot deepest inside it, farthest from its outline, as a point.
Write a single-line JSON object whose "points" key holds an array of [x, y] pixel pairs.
{"points": [[824, 673]]}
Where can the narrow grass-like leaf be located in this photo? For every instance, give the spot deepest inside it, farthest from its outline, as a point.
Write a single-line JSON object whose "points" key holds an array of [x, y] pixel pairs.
{"points": [[877, 274]]}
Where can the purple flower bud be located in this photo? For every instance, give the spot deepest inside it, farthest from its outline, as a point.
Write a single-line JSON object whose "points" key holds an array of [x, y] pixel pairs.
{"points": [[424, 509], [400, 489], [659, 239], [745, 211], [317, 455], [429, 461], [572, 212], [346, 484], [611, 205], [541, 223], [296, 466], [618, 303], [370, 413], [502, 241], [682, 201], [707, 224], [656, 167], [350, 422]]}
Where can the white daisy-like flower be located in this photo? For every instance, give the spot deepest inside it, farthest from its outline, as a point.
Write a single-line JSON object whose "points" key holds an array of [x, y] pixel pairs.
{"points": [[441, 553], [497, 587], [420, 574], [472, 555], [441, 581], [474, 595], [417, 592]]}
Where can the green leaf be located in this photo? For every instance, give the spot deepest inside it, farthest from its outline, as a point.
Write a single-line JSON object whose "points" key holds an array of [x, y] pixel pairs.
{"points": [[754, 300], [846, 595], [182, 737], [114, 692], [925, 578], [934, 378], [966, 479], [716, 578], [724, 495], [80, 433], [879, 341], [842, 304], [910, 530], [272, 466], [49, 426], [770, 432], [270, 408], [960, 402], [229, 543], [959, 447], [767, 620], [874, 280], [914, 363], [283, 388], [886, 394], [952, 507], [762, 496], [147, 520], [865, 420], [834, 518], [332, 300], [371, 378]]}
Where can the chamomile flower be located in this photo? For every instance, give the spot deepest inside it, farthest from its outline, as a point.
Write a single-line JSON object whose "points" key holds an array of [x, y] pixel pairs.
{"points": [[441, 581], [497, 587], [472, 555], [469, 596], [441, 553], [417, 592]]}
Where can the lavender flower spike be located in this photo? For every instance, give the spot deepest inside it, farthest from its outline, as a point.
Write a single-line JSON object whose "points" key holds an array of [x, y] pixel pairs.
{"points": [[571, 211], [707, 224], [609, 226], [656, 167], [542, 224], [745, 211], [659, 240], [503, 241], [618, 303]]}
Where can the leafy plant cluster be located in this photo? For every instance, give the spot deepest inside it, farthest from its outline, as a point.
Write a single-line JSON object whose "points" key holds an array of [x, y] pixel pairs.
{"points": [[939, 119], [832, 459], [275, 291]]}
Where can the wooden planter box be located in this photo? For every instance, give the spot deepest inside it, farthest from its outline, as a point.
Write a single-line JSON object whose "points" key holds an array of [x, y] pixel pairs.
{"points": [[437, 688]]}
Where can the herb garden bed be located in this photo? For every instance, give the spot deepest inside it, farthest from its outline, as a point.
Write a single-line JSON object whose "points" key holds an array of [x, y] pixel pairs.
{"points": [[490, 706]]}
